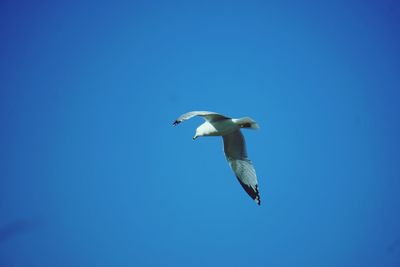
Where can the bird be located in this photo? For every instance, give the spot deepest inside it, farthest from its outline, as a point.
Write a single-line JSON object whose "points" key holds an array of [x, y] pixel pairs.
{"points": [[234, 144]]}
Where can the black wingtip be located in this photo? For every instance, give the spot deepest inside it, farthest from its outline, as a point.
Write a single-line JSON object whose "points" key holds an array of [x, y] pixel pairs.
{"points": [[251, 191], [175, 123], [257, 197]]}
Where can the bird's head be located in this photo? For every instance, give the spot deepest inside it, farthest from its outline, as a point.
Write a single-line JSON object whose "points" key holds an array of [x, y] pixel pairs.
{"points": [[197, 134]]}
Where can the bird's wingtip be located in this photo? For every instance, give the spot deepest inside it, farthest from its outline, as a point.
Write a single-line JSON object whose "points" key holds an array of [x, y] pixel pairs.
{"points": [[257, 198], [176, 123]]}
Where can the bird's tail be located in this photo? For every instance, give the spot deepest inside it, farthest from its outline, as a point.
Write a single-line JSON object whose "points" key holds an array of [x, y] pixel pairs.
{"points": [[247, 122]]}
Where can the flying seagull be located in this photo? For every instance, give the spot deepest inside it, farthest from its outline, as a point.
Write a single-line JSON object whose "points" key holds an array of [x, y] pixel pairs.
{"points": [[234, 145]]}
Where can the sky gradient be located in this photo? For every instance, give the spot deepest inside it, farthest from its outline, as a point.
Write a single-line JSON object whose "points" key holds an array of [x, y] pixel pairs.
{"points": [[92, 173]]}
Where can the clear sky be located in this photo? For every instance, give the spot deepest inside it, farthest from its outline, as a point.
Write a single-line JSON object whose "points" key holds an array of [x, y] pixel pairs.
{"points": [[92, 173]]}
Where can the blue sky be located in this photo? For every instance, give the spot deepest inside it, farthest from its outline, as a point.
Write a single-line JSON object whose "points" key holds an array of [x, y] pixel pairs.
{"points": [[92, 173]]}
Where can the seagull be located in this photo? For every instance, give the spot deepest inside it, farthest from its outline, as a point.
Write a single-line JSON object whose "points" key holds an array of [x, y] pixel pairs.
{"points": [[234, 145]]}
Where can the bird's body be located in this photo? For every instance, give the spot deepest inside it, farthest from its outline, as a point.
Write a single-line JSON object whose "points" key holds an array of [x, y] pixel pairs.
{"points": [[234, 145], [216, 128]]}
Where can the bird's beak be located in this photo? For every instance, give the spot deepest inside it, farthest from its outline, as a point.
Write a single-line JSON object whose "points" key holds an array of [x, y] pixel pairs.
{"points": [[194, 137]]}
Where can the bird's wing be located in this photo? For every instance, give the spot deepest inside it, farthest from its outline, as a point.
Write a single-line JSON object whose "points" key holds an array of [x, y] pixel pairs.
{"points": [[235, 152], [207, 115]]}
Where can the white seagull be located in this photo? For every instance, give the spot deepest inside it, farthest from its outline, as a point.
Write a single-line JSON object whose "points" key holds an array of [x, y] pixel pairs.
{"points": [[234, 145]]}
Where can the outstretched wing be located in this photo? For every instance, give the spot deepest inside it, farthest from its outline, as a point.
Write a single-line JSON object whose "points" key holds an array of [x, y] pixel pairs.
{"points": [[236, 154], [207, 115]]}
